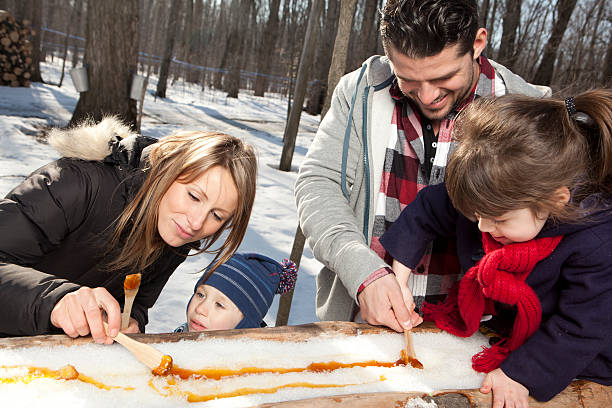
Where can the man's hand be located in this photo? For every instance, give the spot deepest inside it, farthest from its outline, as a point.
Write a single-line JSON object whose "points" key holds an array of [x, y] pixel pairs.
{"points": [[506, 392], [382, 303], [79, 313]]}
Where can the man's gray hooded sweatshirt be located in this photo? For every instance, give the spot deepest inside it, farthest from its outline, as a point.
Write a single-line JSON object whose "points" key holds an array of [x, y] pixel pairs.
{"points": [[338, 181]]}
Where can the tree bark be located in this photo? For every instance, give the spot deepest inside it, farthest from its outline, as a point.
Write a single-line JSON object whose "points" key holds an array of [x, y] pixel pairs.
{"points": [[483, 13], [366, 41], [75, 42], [607, 71], [338, 63], [170, 39], [268, 40], [512, 18], [36, 48], [235, 43], [111, 59], [293, 121], [545, 70]]}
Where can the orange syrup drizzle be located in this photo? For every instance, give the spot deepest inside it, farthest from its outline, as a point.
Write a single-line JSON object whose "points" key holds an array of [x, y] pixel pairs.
{"points": [[172, 373], [165, 366], [218, 373], [415, 363], [173, 390], [131, 281], [67, 373]]}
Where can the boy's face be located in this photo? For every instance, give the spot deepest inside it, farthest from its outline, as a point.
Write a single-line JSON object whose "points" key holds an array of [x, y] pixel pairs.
{"points": [[514, 226], [210, 309]]}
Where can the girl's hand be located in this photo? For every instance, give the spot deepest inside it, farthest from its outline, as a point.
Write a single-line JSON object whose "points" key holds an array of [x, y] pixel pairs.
{"points": [[132, 327], [402, 273], [79, 313], [506, 392]]}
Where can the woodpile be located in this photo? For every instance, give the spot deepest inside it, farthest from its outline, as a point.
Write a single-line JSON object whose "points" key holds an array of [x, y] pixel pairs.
{"points": [[15, 51]]}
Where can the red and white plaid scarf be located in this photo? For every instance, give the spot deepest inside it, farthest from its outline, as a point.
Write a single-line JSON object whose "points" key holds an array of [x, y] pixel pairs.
{"points": [[402, 179], [498, 277]]}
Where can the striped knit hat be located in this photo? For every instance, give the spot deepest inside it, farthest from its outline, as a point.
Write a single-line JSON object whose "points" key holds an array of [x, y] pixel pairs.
{"points": [[251, 281]]}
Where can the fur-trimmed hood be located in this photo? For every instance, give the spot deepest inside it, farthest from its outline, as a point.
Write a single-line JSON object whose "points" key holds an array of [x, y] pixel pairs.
{"points": [[90, 141]]}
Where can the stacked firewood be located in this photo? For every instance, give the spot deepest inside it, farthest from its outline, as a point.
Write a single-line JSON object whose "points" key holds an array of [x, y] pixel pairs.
{"points": [[15, 51]]}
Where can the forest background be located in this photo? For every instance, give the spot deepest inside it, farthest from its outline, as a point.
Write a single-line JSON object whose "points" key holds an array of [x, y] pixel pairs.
{"points": [[255, 45]]}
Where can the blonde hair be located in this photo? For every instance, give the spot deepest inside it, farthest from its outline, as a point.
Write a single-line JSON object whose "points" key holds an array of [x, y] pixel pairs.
{"points": [[183, 157], [516, 151]]}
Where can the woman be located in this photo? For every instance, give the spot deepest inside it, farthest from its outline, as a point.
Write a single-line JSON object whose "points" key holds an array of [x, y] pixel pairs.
{"points": [[116, 204]]}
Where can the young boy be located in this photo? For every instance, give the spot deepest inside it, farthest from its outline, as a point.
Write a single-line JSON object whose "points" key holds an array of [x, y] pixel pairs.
{"points": [[238, 294]]}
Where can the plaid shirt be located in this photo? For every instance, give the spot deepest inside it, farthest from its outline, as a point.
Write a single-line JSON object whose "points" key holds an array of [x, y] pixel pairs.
{"points": [[414, 159]]}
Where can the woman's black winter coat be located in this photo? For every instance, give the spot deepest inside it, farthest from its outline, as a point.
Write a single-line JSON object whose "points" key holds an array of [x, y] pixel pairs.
{"points": [[54, 230]]}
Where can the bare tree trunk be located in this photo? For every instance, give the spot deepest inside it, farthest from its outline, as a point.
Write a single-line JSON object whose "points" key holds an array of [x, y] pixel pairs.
{"points": [[195, 40], [490, 27], [512, 19], [37, 27], [483, 13], [337, 68], [545, 70], [111, 59], [65, 55], [75, 42], [338, 63], [170, 39], [364, 40], [236, 39], [607, 69], [268, 40], [293, 121], [594, 35]]}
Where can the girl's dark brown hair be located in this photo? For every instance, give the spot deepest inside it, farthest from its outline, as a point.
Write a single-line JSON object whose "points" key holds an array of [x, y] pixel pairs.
{"points": [[516, 151], [183, 157]]}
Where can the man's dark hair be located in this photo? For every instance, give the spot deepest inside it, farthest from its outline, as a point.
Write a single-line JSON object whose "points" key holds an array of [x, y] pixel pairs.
{"points": [[423, 28]]}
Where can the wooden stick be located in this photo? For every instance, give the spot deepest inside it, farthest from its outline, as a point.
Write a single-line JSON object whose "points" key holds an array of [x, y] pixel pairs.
{"points": [[157, 361], [130, 287], [409, 346], [410, 355]]}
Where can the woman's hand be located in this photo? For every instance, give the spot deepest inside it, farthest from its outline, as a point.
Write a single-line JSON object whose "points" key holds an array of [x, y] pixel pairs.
{"points": [[506, 392], [402, 273], [79, 313]]}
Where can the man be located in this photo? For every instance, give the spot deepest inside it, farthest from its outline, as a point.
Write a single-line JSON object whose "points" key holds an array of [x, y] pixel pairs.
{"points": [[386, 136]]}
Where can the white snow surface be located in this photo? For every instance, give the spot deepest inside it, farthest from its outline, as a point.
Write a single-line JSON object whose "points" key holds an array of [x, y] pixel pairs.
{"points": [[446, 360]]}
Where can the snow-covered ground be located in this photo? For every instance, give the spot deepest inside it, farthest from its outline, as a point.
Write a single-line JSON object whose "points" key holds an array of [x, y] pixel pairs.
{"points": [[260, 121]]}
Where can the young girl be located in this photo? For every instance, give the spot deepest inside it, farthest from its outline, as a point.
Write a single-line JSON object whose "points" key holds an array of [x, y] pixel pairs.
{"points": [[238, 293], [116, 204], [535, 177]]}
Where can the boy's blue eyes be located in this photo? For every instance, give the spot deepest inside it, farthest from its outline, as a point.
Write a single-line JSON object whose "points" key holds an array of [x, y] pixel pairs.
{"points": [[201, 295]]}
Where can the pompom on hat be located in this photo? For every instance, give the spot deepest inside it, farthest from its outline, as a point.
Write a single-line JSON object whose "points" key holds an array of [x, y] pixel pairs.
{"points": [[250, 281]]}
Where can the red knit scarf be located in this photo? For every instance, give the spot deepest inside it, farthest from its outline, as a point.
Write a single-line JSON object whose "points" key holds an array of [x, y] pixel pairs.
{"points": [[499, 276]]}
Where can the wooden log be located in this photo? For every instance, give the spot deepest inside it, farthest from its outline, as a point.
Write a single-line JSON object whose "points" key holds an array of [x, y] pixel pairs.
{"points": [[299, 333], [6, 42], [579, 394]]}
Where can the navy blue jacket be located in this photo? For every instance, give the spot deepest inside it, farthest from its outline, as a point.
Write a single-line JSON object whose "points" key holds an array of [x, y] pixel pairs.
{"points": [[574, 285]]}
